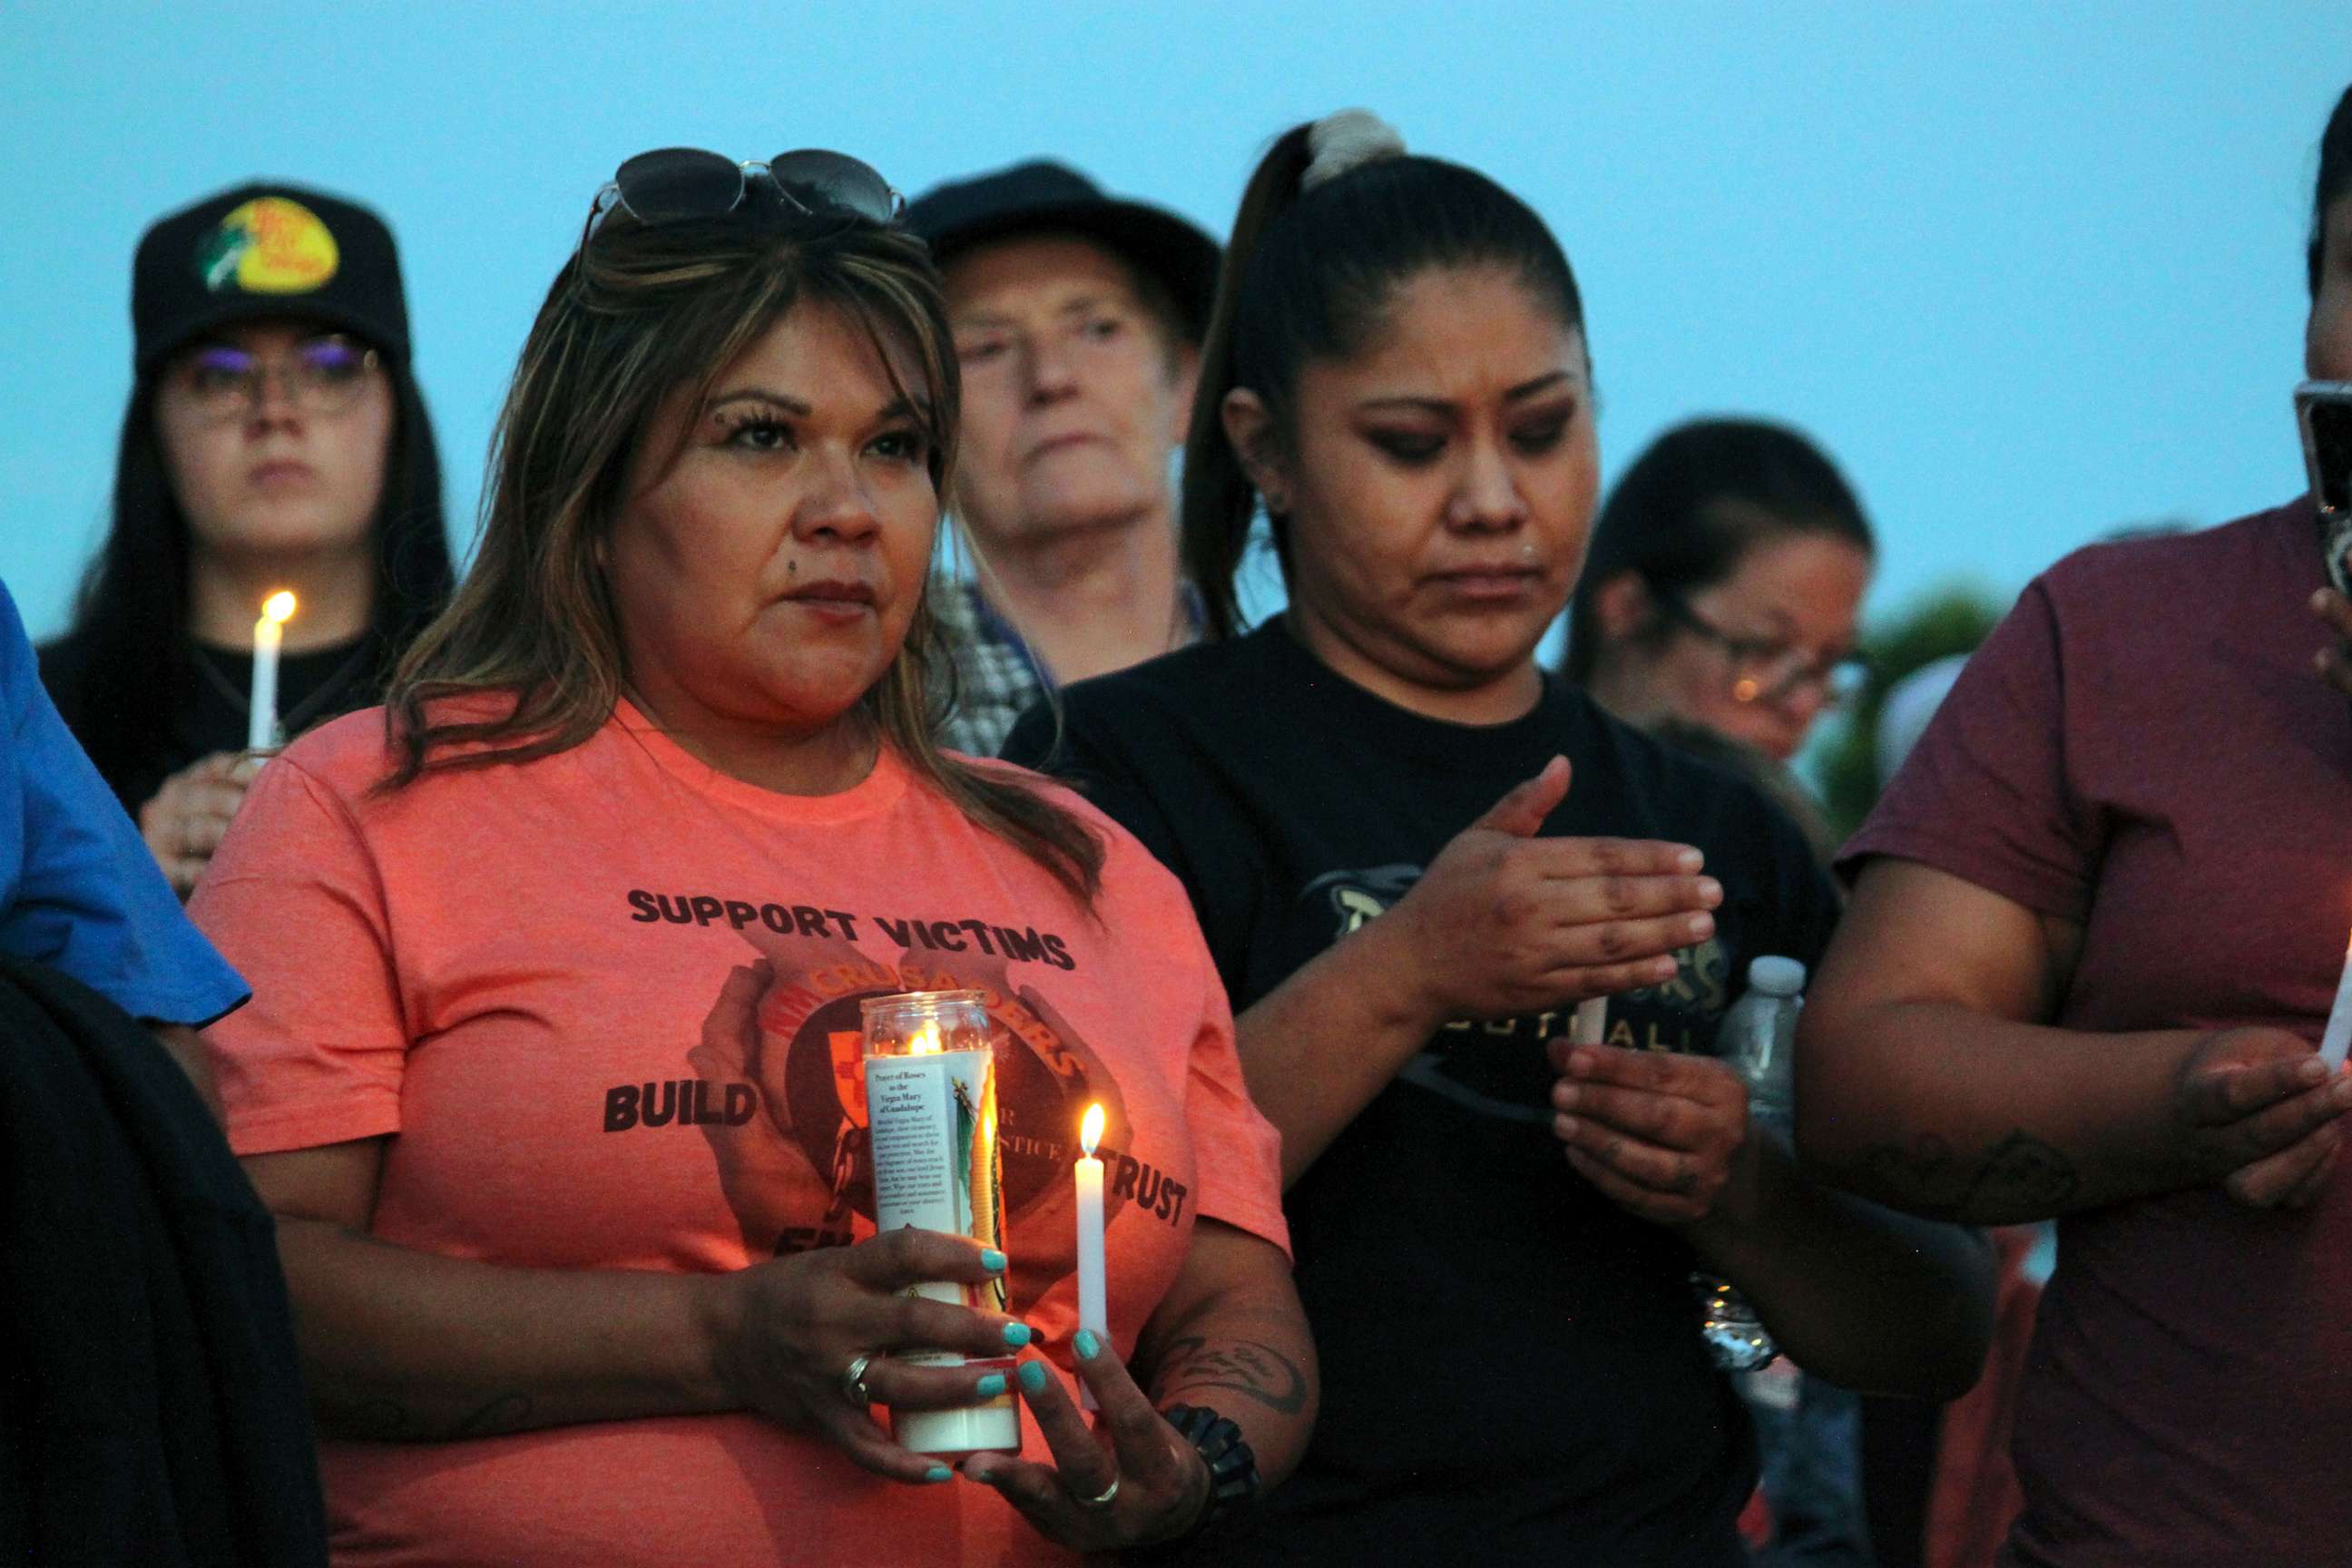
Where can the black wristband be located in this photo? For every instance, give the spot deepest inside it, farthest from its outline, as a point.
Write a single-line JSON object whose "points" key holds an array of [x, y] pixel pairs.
{"points": [[1233, 1472]]}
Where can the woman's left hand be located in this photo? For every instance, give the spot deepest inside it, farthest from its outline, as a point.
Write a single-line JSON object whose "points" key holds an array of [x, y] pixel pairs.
{"points": [[1129, 1479], [2333, 661], [1663, 1134]]}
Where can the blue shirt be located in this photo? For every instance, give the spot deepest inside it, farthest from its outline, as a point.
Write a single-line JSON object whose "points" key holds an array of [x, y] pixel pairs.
{"points": [[78, 892]]}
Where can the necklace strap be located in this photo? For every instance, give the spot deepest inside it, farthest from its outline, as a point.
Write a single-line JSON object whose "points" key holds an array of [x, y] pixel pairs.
{"points": [[292, 722]]}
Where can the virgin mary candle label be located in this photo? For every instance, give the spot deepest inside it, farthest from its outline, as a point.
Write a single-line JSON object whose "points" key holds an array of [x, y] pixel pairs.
{"points": [[935, 1164], [938, 1165]]}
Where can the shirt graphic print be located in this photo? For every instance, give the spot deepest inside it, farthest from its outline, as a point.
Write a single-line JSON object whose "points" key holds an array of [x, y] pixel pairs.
{"points": [[1470, 1061], [777, 1090], [603, 1010]]}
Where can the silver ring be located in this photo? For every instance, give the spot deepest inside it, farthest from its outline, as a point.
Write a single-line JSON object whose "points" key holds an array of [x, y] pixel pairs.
{"points": [[1100, 1499], [853, 1383]]}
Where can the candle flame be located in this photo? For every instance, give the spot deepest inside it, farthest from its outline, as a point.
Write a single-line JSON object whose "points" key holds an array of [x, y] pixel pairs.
{"points": [[925, 1043], [1090, 1129], [279, 607]]}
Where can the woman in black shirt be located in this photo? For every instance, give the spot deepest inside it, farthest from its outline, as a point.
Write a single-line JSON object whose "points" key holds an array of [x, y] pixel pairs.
{"points": [[275, 439], [1413, 853]]}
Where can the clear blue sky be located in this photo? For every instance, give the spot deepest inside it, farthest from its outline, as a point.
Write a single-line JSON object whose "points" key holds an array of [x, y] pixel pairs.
{"points": [[2029, 271]]}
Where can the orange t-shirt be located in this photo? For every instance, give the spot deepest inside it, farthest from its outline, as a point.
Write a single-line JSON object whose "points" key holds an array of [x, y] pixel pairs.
{"points": [[605, 1005]]}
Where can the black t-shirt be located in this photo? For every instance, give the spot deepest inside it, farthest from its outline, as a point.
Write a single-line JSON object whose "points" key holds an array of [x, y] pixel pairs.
{"points": [[206, 709], [1512, 1368]]}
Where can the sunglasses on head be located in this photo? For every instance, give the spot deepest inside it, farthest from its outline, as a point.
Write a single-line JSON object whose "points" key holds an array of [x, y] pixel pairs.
{"points": [[673, 185]]}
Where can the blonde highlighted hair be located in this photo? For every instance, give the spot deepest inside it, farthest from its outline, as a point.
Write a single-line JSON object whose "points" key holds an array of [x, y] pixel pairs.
{"points": [[639, 311]]}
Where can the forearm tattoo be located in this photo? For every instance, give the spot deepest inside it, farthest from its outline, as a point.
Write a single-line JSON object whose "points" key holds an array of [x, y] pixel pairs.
{"points": [[1248, 1367], [2021, 1177]]}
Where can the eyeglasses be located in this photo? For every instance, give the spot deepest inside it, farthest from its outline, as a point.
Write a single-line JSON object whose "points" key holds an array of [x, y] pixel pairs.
{"points": [[324, 376], [1773, 671], [672, 184]]}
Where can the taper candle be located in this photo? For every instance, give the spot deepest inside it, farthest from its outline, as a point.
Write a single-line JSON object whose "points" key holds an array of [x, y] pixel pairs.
{"points": [[1094, 1311], [2339, 1036], [261, 701]]}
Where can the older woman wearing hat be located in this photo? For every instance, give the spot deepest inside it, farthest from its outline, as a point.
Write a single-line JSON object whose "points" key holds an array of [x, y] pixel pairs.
{"points": [[1077, 321], [275, 439]]}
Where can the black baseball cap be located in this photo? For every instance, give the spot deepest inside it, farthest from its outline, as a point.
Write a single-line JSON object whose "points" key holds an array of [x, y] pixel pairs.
{"points": [[1043, 197], [263, 250]]}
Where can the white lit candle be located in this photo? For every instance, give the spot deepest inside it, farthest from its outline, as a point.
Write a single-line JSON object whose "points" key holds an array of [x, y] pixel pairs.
{"points": [[1093, 1311], [1590, 1025], [2339, 1019], [261, 703]]}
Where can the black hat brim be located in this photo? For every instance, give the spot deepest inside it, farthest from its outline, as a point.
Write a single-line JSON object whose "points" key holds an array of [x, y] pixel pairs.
{"points": [[1171, 251], [233, 309]]}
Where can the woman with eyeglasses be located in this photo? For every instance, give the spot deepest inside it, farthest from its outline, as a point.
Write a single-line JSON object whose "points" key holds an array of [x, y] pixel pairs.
{"points": [[1717, 611], [1722, 586], [1414, 853], [552, 1073], [275, 440], [2098, 926]]}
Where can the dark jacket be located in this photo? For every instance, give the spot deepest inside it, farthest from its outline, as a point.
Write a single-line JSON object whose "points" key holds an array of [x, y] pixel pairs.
{"points": [[150, 1409]]}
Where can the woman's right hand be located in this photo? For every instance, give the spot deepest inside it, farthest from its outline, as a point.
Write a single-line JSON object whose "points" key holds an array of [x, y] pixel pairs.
{"points": [[786, 1332], [184, 822], [1503, 921], [2255, 1111], [2334, 659]]}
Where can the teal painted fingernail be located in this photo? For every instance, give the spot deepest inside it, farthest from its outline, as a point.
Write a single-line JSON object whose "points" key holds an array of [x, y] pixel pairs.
{"points": [[1033, 1377], [1087, 1346], [991, 1386], [1016, 1334], [991, 1260], [941, 1472]]}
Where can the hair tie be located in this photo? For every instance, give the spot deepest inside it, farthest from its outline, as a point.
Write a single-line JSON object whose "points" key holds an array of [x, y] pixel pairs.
{"points": [[1348, 139]]}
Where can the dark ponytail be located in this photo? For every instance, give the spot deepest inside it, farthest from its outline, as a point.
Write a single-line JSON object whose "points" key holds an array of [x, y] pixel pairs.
{"points": [[1218, 503], [1308, 275]]}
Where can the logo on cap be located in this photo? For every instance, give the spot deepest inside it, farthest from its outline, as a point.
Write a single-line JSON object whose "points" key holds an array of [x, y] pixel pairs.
{"points": [[268, 246]]}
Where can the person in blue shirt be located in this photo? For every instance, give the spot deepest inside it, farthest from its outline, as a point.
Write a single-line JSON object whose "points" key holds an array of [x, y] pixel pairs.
{"points": [[154, 1408], [78, 892]]}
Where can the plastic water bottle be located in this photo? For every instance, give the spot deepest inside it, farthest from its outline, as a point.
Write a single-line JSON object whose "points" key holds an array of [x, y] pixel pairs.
{"points": [[1759, 1039]]}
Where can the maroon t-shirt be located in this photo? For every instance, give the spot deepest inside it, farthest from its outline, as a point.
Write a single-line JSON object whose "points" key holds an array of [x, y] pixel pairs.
{"points": [[2142, 747]]}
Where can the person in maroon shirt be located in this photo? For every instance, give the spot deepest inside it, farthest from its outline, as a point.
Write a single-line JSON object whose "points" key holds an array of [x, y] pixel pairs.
{"points": [[2098, 920], [2327, 341]]}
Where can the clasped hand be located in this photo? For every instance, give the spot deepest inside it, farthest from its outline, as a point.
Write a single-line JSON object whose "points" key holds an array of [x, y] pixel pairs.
{"points": [[2334, 660], [1661, 1134], [1505, 922], [2256, 1111], [786, 1333], [183, 821]]}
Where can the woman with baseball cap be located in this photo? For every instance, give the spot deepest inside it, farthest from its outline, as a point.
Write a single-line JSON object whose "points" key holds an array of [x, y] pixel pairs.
{"points": [[275, 439]]}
